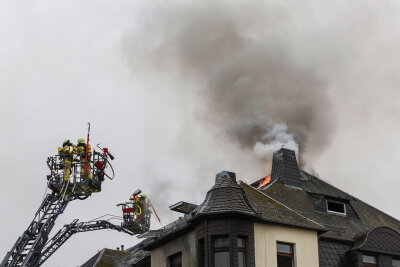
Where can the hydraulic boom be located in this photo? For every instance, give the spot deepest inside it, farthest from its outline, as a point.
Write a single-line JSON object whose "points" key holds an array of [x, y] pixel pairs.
{"points": [[27, 249], [76, 227]]}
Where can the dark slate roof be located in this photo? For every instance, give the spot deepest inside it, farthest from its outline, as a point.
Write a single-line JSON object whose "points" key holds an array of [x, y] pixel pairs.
{"points": [[378, 239], [226, 196], [92, 260], [284, 167], [108, 258], [311, 203], [168, 231], [273, 211], [137, 254]]}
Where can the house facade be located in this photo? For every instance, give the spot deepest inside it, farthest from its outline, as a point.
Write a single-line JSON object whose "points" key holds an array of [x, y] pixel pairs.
{"points": [[293, 219]]}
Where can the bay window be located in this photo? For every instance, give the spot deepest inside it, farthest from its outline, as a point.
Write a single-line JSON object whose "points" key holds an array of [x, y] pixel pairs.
{"points": [[221, 255], [241, 243]]}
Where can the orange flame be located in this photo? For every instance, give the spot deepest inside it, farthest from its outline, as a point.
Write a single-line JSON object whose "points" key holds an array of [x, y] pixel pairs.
{"points": [[265, 181]]}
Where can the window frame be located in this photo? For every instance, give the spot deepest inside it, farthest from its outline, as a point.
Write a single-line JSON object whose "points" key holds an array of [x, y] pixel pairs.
{"points": [[201, 252], [170, 257], [336, 212], [221, 249], [366, 264], [395, 259], [291, 255], [242, 249]]}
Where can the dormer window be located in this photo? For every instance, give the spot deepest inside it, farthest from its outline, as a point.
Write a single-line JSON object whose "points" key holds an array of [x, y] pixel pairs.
{"points": [[336, 207]]}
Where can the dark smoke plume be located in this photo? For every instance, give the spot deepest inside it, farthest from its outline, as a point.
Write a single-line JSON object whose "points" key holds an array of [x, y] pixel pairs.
{"points": [[251, 80]]}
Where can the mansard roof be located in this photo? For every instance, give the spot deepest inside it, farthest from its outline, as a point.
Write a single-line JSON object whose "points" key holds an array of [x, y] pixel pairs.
{"points": [[379, 240], [293, 198], [311, 202]]}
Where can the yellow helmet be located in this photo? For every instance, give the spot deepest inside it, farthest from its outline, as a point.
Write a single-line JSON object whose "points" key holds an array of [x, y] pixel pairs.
{"points": [[81, 141]]}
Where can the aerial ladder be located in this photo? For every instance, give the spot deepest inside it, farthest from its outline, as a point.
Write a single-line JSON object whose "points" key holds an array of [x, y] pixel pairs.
{"points": [[77, 227], [135, 220], [86, 178]]}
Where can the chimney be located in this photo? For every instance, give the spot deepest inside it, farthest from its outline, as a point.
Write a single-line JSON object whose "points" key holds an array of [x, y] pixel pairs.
{"points": [[285, 169], [225, 175]]}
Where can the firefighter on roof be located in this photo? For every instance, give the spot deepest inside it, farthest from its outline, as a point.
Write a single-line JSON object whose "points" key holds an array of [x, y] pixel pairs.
{"points": [[84, 152], [66, 155]]}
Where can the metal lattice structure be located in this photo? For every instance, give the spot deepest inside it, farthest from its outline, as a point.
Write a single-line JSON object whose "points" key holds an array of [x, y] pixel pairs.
{"points": [[27, 250], [76, 227]]}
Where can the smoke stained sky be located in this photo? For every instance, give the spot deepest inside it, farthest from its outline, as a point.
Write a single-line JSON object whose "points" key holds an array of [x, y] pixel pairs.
{"points": [[172, 88]]}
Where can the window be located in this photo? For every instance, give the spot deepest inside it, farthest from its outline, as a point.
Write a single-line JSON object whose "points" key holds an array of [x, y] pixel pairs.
{"points": [[285, 254], [175, 260], [336, 207], [200, 253], [221, 254], [241, 243], [395, 263], [369, 261]]}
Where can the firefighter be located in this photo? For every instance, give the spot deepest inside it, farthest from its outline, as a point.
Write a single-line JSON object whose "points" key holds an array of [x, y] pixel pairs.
{"points": [[80, 150], [66, 155], [139, 202]]}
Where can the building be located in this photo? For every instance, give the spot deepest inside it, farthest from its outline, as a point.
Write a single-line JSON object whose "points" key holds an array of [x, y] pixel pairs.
{"points": [[290, 219]]}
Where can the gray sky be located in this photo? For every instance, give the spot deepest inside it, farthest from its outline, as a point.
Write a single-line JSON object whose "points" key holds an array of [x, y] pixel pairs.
{"points": [[150, 76]]}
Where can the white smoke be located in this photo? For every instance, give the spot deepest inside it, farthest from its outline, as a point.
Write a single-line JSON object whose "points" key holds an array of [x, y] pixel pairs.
{"points": [[276, 138]]}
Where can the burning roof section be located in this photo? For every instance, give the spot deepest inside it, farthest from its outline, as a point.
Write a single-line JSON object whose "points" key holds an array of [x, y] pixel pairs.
{"points": [[312, 200]]}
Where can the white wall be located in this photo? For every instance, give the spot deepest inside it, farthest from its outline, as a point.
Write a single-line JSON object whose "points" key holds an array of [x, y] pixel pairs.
{"points": [[185, 243], [266, 236]]}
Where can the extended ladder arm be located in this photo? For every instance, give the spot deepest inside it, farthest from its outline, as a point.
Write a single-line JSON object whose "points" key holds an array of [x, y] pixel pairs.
{"points": [[27, 249], [69, 229]]}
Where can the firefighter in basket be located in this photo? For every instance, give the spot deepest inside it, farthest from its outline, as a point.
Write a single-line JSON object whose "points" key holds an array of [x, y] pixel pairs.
{"points": [[132, 211], [66, 156], [84, 153]]}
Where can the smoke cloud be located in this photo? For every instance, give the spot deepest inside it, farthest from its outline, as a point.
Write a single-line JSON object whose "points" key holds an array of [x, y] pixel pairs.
{"points": [[180, 90], [251, 82]]}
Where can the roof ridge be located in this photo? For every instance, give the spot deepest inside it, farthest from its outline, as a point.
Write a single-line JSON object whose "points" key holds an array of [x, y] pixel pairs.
{"points": [[262, 193], [245, 197], [99, 257]]}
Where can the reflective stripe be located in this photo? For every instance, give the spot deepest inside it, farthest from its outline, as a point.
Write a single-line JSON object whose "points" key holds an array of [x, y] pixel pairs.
{"points": [[138, 210]]}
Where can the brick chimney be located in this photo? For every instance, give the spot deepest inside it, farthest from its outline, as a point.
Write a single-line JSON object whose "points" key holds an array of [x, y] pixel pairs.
{"points": [[285, 169]]}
